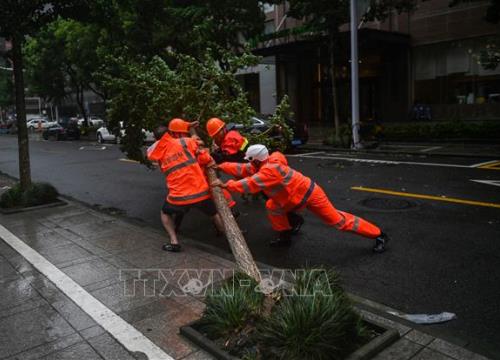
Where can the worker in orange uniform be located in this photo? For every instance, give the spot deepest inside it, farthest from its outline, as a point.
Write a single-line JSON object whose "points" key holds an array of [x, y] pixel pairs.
{"points": [[231, 145], [288, 190], [181, 160]]}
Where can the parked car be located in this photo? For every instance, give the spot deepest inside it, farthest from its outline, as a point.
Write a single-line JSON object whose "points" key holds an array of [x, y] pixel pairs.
{"points": [[103, 135], [59, 132], [94, 121], [261, 124], [37, 123]]}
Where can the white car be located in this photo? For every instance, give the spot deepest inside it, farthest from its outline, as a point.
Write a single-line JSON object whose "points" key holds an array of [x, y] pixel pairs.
{"points": [[93, 121], [103, 134], [37, 123]]}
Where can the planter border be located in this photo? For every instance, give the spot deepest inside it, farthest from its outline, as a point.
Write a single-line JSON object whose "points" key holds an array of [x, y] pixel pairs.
{"points": [[58, 202], [365, 352]]}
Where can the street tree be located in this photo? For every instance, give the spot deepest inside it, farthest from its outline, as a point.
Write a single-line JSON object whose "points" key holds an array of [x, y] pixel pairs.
{"points": [[17, 21], [61, 61]]}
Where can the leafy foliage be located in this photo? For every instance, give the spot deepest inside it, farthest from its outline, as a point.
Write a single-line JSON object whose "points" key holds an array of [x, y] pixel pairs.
{"points": [[36, 194], [62, 60], [313, 320], [145, 94], [230, 307], [279, 134], [316, 322]]}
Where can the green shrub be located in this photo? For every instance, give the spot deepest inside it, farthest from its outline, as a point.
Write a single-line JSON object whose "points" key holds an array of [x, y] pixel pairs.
{"points": [[12, 197], [317, 325], [36, 194], [231, 306]]}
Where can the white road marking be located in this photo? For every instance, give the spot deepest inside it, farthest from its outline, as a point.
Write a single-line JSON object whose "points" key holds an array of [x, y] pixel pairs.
{"points": [[386, 161], [305, 154], [484, 163], [123, 332], [488, 182], [92, 148], [431, 148]]}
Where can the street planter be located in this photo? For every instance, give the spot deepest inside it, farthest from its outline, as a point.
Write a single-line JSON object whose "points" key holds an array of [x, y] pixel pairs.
{"points": [[15, 210], [384, 338]]}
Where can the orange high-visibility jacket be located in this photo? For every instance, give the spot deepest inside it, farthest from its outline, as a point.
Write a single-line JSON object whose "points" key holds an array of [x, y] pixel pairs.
{"points": [[180, 160], [287, 187], [233, 142]]}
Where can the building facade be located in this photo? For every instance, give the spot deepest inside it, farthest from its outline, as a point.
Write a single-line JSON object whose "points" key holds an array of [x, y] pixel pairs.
{"points": [[429, 56]]}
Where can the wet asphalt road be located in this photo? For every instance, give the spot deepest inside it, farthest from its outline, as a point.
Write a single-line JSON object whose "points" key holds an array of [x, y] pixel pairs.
{"points": [[442, 257]]}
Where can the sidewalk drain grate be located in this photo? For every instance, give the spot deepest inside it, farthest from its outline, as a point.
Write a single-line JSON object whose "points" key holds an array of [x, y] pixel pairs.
{"points": [[388, 204]]}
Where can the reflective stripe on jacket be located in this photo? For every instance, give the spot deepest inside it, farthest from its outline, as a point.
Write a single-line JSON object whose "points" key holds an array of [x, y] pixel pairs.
{"points": [[287, 187], [233, 142], [238, 170], [180, 161]]}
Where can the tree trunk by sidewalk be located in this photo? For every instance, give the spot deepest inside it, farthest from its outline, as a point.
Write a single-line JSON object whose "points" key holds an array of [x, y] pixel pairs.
{"points": [[22, 130], [237, 242]]}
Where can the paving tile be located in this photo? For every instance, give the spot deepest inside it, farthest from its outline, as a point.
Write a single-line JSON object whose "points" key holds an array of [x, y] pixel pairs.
{"points": [[48, 348], [32, 328], [78, 351], [163, 330], [6, 251], [123, 296], [149, 257], [26, 305], [78, 217], [44, 240], [401, 350], [27, 226], [428, 354], [109, 348], [92, 332], [45, 287], [419, 337], [91, 271], [7, 271], [20, 263], [73, 314], [119, 241], [16, 292], [66, 253], [151, 309], [454, 351]]}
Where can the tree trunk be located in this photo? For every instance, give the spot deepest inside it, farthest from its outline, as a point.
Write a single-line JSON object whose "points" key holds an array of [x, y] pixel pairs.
{"points": [[237, 242], [22, 130], [336, 120]]}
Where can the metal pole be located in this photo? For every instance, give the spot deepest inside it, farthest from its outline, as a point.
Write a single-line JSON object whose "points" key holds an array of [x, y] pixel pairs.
{"points": [[354, 76]]}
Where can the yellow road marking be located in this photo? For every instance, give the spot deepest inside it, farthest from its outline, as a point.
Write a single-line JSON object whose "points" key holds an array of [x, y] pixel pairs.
{"points": [[491, 166], [129, 160], [428, 197]]}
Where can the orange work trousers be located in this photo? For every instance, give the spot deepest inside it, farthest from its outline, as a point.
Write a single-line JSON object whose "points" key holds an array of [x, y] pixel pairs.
{"points": [[319, 204]]}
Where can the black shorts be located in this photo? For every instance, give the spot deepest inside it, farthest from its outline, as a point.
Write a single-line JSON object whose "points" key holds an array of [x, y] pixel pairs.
{"points": [[206, 206]]}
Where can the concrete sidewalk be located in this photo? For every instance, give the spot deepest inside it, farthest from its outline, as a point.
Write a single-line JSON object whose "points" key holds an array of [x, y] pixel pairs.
{"points": [[116, 261]]}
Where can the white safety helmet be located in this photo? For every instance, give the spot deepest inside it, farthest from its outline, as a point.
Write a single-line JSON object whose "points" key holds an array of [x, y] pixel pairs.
{"points": [[256, 152]]}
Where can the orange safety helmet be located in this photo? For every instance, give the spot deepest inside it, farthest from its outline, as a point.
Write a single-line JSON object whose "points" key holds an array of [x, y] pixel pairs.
{"points": [[178, 125], [214, 125]]}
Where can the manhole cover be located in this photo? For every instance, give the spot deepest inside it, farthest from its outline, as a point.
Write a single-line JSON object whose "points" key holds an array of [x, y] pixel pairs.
{"points": [[388, 204]]}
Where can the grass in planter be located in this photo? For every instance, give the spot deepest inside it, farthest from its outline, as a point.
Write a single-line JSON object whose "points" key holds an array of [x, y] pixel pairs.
{"points": [[312, 320], [230, 308], [315, 321], [36, 194]]}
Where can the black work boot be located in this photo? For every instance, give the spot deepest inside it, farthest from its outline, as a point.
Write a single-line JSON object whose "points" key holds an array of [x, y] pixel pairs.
{"points": [[380, 243], [296, 221], [284, 239]]}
